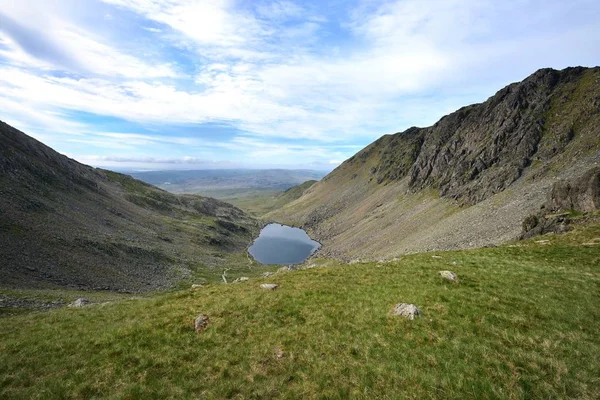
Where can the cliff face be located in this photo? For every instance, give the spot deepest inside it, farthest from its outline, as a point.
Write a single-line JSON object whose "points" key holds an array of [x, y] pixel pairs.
{"points": [[509, 148], [482, 149], [63, 223]]}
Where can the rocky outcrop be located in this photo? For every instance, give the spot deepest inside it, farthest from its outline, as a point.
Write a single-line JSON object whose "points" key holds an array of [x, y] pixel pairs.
{"points": [[581, 194]]}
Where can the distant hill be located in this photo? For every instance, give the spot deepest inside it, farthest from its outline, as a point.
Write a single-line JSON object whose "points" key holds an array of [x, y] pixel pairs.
{"points": [[261, 203], [228, 183], [467, 181], [66, 224]]}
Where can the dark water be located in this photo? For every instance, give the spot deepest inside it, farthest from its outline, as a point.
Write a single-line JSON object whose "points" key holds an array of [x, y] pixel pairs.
{"points": [[280, 244]]}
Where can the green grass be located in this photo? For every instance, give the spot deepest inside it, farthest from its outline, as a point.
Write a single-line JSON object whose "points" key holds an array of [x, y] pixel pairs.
{"points": [[522, 323]]}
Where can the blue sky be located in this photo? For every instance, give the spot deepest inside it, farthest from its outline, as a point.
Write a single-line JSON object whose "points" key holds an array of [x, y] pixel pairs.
{"points": [[189, 84]]}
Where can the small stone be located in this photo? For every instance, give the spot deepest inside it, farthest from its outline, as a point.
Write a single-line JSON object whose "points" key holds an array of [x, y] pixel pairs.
{"points": [[269, 286], [279, 353], [451, 276], [201, 322], [81, 302], [267, 274], [436, 256], [197, 286], [241, 279], [406, 310]]}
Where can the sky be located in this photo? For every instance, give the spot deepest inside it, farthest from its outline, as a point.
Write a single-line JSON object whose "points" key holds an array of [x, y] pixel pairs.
{"points": [[196, 84]]}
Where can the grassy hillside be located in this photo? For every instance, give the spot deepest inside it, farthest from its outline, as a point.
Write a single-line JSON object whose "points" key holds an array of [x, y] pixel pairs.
{"points": [[260, 204], [467, 181], [65, 224], [522, 322]]}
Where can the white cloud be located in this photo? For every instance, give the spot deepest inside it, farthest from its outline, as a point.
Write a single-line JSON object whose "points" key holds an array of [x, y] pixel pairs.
{"points": [[279, 70]]}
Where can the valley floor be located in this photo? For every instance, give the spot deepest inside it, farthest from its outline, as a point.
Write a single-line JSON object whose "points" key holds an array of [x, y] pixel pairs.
{"points": [[522, 322]]}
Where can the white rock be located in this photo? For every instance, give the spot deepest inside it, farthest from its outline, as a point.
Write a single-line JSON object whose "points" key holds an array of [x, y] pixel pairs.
{"points": [[241, 279], [197, 286], [81, 302], [269, 286], [406, 310], [449, 275], [436, 257]]}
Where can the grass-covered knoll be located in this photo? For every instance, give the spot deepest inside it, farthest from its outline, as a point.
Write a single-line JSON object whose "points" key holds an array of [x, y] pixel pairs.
{"points": [[522, 323]]}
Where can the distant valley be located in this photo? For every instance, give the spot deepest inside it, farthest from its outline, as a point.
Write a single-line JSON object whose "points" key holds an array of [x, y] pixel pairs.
{"points": [[228, 183]]}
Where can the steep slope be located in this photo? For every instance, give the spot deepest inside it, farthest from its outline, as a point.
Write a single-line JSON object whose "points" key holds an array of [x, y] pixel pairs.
{"points": [[467, 181], [66, 224]]}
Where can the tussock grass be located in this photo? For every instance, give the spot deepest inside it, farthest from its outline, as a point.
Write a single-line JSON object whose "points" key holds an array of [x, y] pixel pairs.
{"points": [[522, 323]]}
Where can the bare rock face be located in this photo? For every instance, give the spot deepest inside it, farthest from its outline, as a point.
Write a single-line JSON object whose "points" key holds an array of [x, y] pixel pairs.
{"points": [[81, 302], [406, 310], [581, 194], [451, 276], [201, 322], [269, 286]]}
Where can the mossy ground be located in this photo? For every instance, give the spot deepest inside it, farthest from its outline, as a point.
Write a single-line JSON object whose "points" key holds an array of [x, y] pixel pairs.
{"points": [[522, 322]]}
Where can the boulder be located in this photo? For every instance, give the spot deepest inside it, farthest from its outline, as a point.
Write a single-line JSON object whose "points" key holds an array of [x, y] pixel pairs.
{"points": [[81, 302], [201, 322], [451, 276], [406, 310], [269, 286]]}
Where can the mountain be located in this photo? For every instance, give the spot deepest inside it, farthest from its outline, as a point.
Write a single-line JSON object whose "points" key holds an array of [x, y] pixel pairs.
{"points": [[69, 225], [467, 181], [226, 184]]}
